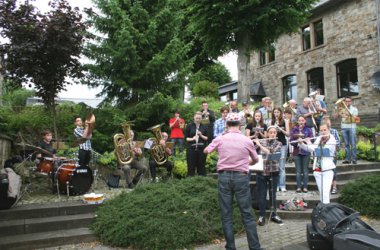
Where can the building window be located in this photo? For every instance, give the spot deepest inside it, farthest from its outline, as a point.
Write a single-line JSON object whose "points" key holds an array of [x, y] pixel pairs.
{"points": [[347, 78], [262, 55], [289, 85], [315, 80], [318, 33], [267, 56], [312, 35], [306, 38]]}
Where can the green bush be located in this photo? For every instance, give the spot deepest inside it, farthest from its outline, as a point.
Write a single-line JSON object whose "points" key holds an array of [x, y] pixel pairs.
{"points": [[108, 159], [365, 151], [211, 162], [363, 195], [206, 89], [167, 215], [364, 131], [341, 154], [180, 165]]}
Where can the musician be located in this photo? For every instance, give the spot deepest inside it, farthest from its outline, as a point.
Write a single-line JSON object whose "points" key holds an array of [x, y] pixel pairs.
{"points": [[301, 157], [246, 116], [220, 127], [270, 176], [168, 164], [177, 125], [257, 129], [135, 164], [348, 128], [319, 105], [210, 116], [45, 144], [306, 111], [234, 107], [283, 130], [84, 152], [333, 132], [323, 166], [293, 109], [196, 138], [266, 110], [233, 167]]}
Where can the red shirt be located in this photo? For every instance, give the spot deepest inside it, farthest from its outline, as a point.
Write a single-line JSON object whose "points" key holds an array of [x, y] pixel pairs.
{"points": [[176, 131]]}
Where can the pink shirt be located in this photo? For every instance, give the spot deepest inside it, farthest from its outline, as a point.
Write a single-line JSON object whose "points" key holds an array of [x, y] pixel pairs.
{"points": [[234, 150]]}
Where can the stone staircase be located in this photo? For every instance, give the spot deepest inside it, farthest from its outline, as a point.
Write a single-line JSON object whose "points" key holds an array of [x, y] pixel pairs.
{"points": [[345, 173], [367, 120], [45, 225]]}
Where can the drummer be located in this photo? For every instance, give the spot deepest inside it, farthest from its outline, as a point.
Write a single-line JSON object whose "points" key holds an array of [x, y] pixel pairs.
{"points": [[46, 145]]}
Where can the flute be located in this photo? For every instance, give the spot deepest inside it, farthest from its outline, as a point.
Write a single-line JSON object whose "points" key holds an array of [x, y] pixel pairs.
{"points": [[304, 139]]}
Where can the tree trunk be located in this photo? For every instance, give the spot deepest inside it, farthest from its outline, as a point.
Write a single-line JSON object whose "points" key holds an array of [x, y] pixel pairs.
{"points": [[1, 83], [54, 116], [245, 72]]}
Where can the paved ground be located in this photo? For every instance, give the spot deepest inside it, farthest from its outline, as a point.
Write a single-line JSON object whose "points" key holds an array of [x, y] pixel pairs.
{"points": [[272, 236], [290, 235]]}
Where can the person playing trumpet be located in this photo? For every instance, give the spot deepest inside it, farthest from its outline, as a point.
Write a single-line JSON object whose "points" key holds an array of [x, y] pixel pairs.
{"points": [[307, 111], [319, 105], [270, 174], [323, 165], [246, 116], [266, 110], [208, 114], [177, 125]]}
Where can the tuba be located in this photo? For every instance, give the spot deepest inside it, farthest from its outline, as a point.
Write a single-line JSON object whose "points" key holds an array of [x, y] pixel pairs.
{"points": [[157, 150], [124, 145]]}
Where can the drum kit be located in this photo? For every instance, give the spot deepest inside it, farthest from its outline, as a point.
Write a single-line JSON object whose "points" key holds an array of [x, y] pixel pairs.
{"points": [[66, 174]]}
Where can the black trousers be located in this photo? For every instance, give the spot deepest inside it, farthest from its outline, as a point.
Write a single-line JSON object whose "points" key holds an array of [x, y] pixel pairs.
{"points": [[196, 159], [153, 168], [84, 157]]}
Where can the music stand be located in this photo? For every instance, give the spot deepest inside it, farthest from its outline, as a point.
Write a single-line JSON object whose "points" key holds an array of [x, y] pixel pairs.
{"points": [[272, 157]]}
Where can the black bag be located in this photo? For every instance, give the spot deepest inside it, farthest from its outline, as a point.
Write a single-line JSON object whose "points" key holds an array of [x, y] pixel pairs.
{"points": [[333, 218], [5, 201], [316, 241], [357, 240], [113, 181]]}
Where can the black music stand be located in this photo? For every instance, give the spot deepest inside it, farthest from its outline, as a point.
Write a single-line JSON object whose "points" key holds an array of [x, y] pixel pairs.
{"points": [[272, 157]]}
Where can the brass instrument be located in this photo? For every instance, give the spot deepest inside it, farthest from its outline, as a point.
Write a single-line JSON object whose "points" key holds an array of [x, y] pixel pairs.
{"points": [[314, 111], [90, 120], [248, 117], [345, 113], [157, 150], [205, 117], [124, 145]]}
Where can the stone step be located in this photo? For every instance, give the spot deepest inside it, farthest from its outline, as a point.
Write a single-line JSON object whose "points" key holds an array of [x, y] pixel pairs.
{"points": [[47, 210], [348, 175], [47, 224], [46, 239], [290, 167], [312, 186]]}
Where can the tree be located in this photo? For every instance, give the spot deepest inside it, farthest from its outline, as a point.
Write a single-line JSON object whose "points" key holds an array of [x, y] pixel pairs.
{"points": [[206, 89], [244, 25], [140, 49], [42, 49], [216, 73]]}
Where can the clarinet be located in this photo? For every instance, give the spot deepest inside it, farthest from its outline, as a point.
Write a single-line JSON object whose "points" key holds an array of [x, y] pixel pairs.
{"points": [[196, 137]]}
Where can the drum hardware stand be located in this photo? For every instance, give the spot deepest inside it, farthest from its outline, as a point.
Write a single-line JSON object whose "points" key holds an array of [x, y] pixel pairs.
{"points": [[68, 189], [272, 157]]}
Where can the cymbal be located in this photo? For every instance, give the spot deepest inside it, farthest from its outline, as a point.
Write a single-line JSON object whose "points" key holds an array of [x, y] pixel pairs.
{"points": [[37, 149]]}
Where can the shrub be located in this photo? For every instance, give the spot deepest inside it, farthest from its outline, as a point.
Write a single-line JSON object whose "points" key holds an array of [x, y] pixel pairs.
{"points": [[363, 195], [211, 162], [108, 159], [365, 151], [167, 215], [341, 154], [180, 165]]}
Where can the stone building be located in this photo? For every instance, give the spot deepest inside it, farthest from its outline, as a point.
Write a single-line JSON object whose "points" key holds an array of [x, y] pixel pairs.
{"points": [[337, 50]]}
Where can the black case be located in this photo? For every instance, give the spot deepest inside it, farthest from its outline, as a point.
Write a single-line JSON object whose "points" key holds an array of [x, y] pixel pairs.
{"points": [[316, 241], [360, 239], [5, 201]]}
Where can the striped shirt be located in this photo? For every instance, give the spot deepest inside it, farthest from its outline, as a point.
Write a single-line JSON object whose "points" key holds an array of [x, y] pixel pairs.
{"points": [[78, 132]]}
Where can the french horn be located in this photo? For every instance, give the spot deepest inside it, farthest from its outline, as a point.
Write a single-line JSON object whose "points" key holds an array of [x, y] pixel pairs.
{"points": [[124, 145], [157, 150]]}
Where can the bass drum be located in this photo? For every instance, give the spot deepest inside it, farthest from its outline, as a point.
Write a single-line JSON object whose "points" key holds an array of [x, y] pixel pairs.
{"points": [[77, 179]]}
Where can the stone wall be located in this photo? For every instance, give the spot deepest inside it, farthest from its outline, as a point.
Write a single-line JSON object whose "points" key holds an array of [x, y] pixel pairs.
{"points": [[349, 32]]}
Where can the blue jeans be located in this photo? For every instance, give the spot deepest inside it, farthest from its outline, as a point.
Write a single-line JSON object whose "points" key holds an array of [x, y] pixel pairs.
{"points": [[262, 185], [302, 170], [177, 142], [236, 184], [349, 137], [281, 182]]}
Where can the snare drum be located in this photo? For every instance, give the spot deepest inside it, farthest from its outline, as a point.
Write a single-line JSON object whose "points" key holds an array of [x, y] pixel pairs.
{"points": [[78, 179], [46, 166]]}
